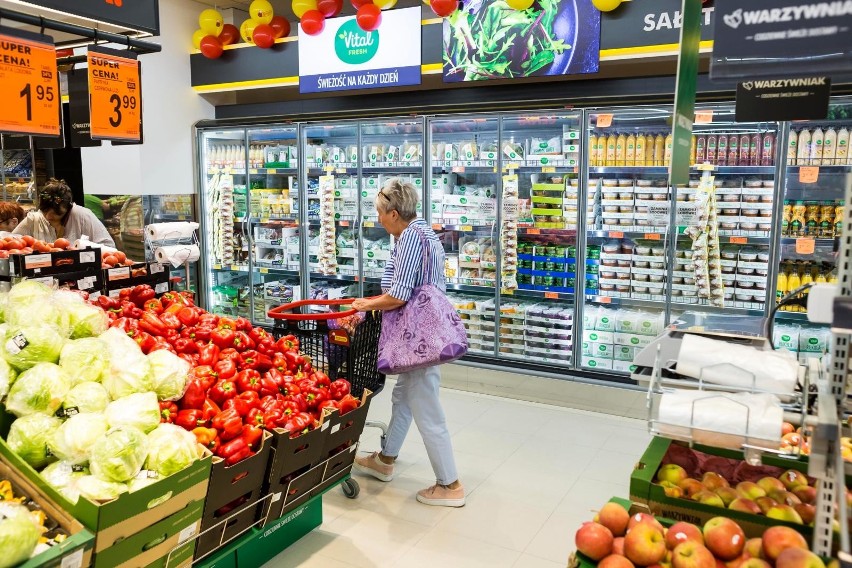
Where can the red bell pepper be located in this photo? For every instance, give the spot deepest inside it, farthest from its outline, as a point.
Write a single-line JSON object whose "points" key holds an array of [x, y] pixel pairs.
{"points": [[339, 388], [107, 303], [248, 380], [259, 334], [170, 320], [266, 347], [249, 359], [188, 297], [194, 395], [222, 391], [242, 324], [190, 419], [188, 316], [196, 333], [184, 345], [230, 353], [228, 423], [227, 323], [191, 358], [328, 404], [274, 418], [243, 403], [168, 411], [225, 369], [207, 437], [315, 396], [242, 342], [153, 305], [208, 355], [321, 379], [170, 298], [151, 323], [205, 375], [300, 401], [141, 294], [210, 409], [223, 337], [298, 424], [348, 403], [268, 386], [255, 417], [234, 451], [252, 435], [287, 343], [208, 320], [163, 343], [145, 341], [124, 294]]}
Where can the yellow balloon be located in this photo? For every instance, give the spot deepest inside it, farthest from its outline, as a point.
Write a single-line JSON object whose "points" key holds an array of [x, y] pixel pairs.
{"points": [[302, 6], [385, 4], [247, 29], [519, 4], [197, 36], [210, 21], [261, 11], [606, 5]]}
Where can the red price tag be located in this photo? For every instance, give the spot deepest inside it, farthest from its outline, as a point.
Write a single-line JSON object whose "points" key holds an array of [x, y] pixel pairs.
{"points": [[551, 295], [739, 240], [533, 231], [805, 246], [344, 223], [703, 116], [604, 121], [616, 234], [29, 86], [437, 227], [604, 300], [653, 236], [458, 169], [115, 95], [808, 174]]}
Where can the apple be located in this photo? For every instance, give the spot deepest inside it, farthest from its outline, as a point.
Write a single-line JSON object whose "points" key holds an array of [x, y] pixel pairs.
{"points": [[671, 489], [791, 439], [755, 563], [708, 498], [784, 513], [754, 547], [644, 518], [805, 494], [792, 479], [750, 490], [671, 472], [714, 481], [770, 483], [728, 494], [724, 538], [798, 558], [787, 428], [645, 544], [594, 540], [691, 486], [692, 555], [745, 506], [614, 517], [765, 503], [777, 539], [618, 545], [683, 532], [806, 511], [615, 561]]}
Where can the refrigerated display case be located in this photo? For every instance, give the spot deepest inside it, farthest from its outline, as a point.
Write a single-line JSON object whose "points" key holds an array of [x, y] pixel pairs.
{"points": [[17, 174]]}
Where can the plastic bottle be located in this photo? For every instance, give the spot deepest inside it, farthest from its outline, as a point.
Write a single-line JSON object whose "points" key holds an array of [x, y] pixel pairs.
{"points": [[839, 213], [621, 150], [630, 157], [804, 153], [610, 159], [593, 150], [781, 286], [829, 147], [793, 282], [842, 156], [792, 148], [668, 151], [640, 149], [712, 141], [797, 219], [649, 150], [722, 150], [745, 144], [659, 150], [701, 150], [734, 150], [817, 140], [767, 155], [820, 277], [754, 148], [826, 219], [832, 277], [693, 151], [786, 218], [807, 278]]}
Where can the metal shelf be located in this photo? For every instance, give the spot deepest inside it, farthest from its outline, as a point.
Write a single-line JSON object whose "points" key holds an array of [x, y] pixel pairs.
{"points": [[539, 295], [729, 170], [464, 228], [822, 169], [277, 271], [656, 235], [471, 288], [230, 267], [272, 171]]}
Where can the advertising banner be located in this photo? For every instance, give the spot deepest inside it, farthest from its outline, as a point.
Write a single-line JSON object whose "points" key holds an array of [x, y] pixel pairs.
{"points": [[344, 57], [141, 15]]}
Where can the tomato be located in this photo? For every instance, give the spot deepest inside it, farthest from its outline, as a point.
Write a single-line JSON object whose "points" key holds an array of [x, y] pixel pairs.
{"points": [[105, 265], [17, 244], [110, 259], [27, 250], [54, 249], [4, 254], [28, 240], [39, 246], [120, 256], [128, 262], [62, 243], [14, 251]]}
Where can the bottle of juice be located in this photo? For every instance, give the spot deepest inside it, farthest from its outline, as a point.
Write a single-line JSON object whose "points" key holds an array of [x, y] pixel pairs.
{"points": [[767, 156], [797, 219], [826, 219], [807, 278], [668, 151], [781, 286], [610, 150], [701, 150], [804, 155], [630, 157], [722, 150], [754, 149], [832, 277], [649, 150], [593, 150], [820, 277], [733, 150], [621, 150], [712, 141], [786, 218], [792, 148], [817, 139], [829, 147], [693, 151], [842, 154], [745, 143], [812, 218], [793, 282], [639, 151], [839, 212], [659, 150]]}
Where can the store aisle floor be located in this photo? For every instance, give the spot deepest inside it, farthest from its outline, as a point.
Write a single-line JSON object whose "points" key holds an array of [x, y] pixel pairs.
{"points": [[533, 474]]}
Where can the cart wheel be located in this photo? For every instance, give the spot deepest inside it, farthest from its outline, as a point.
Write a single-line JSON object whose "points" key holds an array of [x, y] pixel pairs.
{"points": [[350, 488]]}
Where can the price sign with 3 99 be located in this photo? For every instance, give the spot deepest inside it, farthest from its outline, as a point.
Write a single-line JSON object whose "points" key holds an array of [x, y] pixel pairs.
{"points": [[30, 101], [115, 94]]}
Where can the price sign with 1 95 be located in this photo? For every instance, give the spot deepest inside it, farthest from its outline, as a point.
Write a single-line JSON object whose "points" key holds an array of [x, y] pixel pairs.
{"points": [[29, 87], [114, 94]]}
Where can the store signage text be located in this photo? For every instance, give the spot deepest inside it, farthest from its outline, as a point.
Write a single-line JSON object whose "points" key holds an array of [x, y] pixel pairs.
{"points": [[788, 14], [358, 80], [655, 22], [783, 99], [115, 97], [29, 84]]}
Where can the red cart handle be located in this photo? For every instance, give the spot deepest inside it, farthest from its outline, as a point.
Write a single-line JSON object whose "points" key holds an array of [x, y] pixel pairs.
{"points": [[277, 312]]}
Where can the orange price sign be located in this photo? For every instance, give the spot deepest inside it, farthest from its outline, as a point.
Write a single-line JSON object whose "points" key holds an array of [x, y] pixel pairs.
{"points": [[703, 116], [29, 85], [115, 95], [653, 236], [533, 231], [551, 295], [604, 121], [739, 240], [808, 174], [805, 246], [616, 234], [604, 300]]}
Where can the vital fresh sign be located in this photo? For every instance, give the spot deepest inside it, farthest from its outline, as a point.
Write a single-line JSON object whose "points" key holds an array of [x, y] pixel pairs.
{"points": [[29, 88], [115, 96], [353, 45]]}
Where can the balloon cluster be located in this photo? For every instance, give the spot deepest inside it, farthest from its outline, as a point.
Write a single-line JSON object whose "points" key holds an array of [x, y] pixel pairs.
{"points": [[313, 13], [444, 8], [262, 29], [606, 5]]}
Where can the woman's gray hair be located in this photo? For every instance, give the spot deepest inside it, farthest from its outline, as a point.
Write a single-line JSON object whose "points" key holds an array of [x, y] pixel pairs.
{"points": [[399, 196]]}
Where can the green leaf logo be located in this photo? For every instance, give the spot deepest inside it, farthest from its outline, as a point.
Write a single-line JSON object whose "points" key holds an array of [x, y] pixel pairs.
{"points": [[353, 45]]}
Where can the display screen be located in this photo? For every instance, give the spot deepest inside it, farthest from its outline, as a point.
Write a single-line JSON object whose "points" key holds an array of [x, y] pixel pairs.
{"points": [[488, 39]]}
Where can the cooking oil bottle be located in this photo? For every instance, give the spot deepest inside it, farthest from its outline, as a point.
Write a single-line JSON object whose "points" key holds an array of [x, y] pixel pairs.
{"points": [[807, 278], [692, 154], [649, 150]]}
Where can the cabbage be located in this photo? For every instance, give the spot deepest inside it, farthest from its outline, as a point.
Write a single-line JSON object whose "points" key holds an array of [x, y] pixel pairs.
{"points": [[168, 374], [170, 449], [7, 377], [85, 359], [28, 438], [140, 410], [86, 320], [63, 476], [142, 481], [129, 368], [120, 454], [86, 397], [26, 345], [19, 533], [75, 438], [40, 389], [34, 302], [95, 489]]}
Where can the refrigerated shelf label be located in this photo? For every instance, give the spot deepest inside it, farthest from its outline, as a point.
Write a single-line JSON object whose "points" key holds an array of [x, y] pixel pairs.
{"points": [[653, 236], [805, 246], [253, 171], [507, 292], [739, 240], [458, 169], [435, 226], [808, 174], [466, 228], [703, 117], [87, 257], [548, 170], [264, 271], [271, 171], [551, 295], [616, 234], [604, 121], [533, 231]]}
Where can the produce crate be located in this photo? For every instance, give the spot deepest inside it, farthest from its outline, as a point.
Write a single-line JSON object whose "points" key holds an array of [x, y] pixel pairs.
{"points": [[233, 498], [345, 430], [265, 544], [650, 497], [51, 263], [336, 468], [76, 550], [154, 274], [88, 280]]}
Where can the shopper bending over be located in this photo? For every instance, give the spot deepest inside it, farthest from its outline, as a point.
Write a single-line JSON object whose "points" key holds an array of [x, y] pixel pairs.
{"points": [[10, 215], [415, 395], [58, 217]]}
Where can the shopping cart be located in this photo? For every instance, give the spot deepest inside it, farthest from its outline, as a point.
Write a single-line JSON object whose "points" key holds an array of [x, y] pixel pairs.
{"points": [[342, 344]]}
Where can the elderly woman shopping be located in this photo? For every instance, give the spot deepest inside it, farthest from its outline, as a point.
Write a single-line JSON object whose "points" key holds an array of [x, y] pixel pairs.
{"points": [[417, 260]]}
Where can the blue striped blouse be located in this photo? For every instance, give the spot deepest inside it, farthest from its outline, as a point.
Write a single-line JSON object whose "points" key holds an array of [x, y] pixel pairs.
{"points": [[404, 271]]}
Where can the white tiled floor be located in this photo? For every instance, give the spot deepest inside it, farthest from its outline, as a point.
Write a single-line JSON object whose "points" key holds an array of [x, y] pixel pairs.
{"points": [[533, 474]]}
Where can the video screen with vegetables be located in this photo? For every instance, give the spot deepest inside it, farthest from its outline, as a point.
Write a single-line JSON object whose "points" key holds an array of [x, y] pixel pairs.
{"points": [[492, 39]]}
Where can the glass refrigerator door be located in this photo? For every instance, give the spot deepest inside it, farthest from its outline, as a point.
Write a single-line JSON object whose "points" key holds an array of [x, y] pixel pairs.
{"points": [[333, 187], [464, 182], [273, 223], [224, 214], [389, 149], [168, 209], [538, 238], [819, 167]]}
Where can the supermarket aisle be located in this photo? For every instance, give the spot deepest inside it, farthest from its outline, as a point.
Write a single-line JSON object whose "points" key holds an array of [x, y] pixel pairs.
{"points": [[533, 474]]}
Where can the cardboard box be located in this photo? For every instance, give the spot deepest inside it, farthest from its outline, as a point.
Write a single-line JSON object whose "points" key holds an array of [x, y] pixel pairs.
{"points": [[48, 264], [293, 470], [88, 280], [632, 339], [598, 336], [336, 468], [593, 363], [154, 274], [268, 542]]}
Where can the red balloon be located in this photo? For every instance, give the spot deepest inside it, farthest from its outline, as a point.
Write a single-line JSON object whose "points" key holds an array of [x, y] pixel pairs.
{"points": [[263, 36], [313, 22], [358, 3], [330, 8], [444, 8], [280, 26], [230, 34], [369, 17], [211, 47]]}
